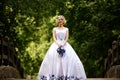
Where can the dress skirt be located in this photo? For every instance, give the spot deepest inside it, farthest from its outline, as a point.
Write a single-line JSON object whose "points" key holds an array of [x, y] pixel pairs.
{"points": [[67, 67]]}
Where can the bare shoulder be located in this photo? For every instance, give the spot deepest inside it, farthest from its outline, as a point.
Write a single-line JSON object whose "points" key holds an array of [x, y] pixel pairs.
{"points": [[66, 28], [54, 28]]}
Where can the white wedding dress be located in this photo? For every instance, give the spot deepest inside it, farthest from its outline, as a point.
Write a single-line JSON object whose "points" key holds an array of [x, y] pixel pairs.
{"points": [[67, 67]]}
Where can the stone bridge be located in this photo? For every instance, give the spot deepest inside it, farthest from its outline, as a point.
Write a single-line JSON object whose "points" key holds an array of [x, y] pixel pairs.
{"points": [[112, 62], [9, 61]]}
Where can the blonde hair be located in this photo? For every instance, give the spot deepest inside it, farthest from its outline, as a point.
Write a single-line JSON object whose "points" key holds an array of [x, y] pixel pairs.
{"points": [[61, 16]]}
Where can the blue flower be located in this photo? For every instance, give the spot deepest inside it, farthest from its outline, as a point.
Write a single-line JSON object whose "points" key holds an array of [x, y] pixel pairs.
{"points": [[61, 50]]}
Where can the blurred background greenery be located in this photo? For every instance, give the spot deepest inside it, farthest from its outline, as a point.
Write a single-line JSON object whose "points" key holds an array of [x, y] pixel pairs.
{"points": [[93, 25]]}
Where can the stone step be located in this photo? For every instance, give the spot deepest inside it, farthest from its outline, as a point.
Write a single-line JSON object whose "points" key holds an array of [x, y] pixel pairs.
{"points": [[103, 79], [87, 79]]}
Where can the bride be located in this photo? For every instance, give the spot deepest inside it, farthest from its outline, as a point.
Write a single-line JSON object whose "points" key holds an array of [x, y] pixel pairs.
{"points": [[61, 61]]}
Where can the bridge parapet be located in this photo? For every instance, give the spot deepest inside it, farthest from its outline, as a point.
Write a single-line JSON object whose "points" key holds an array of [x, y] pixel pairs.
{"points": [[112, 62], [8, 54]]}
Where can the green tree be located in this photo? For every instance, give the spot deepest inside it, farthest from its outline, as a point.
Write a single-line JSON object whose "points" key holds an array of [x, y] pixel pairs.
{"points": [[93, 25]]}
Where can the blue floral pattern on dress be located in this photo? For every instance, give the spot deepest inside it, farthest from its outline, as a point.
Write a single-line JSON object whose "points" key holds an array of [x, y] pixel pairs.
{"points": [[53, 77], [43, 78]]}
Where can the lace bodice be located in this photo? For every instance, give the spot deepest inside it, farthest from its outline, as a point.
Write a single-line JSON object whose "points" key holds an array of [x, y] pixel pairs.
{"points": [[60, 34]]}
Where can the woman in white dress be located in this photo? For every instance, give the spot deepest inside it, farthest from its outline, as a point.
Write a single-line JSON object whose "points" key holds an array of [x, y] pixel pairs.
{"points": [[61, 61]]}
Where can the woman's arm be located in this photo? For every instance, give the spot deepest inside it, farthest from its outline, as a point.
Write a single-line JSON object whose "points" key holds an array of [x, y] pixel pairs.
{"points": [[66, 39], [54, 37]]}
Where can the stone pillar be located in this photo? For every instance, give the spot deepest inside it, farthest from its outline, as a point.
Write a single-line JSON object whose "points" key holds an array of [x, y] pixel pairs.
{"points": [[113, 72]]}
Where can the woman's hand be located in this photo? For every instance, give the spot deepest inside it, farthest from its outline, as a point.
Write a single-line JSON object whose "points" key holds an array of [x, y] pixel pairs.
{"points": [[62, 44]]}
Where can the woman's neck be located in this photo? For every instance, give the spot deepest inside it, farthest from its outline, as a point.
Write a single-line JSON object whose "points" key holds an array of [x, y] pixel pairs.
{"points": [[60, 26]]}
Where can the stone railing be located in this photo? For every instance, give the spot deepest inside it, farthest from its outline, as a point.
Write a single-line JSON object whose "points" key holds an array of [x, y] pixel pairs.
{"points": [[8, 54], [112, 62]]}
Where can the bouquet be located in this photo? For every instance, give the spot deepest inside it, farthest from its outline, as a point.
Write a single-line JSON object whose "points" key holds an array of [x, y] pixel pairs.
{"points": [[61, 50]]}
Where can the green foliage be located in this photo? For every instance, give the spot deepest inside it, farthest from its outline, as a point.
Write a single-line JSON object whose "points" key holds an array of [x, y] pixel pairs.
{"points": [[93, 25], [35, 40], [93, 32]]}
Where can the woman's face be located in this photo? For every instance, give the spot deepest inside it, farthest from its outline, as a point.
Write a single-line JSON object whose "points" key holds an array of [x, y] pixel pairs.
{"points": [[60, 21]]}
